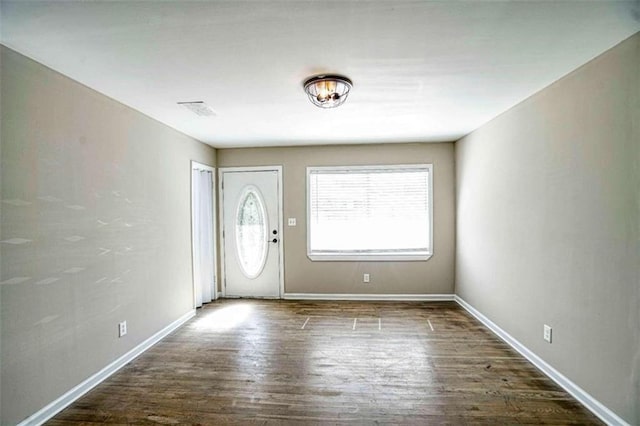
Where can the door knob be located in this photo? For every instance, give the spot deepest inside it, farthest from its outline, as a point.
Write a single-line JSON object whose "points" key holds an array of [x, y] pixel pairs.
{"points": [[275, 240]]}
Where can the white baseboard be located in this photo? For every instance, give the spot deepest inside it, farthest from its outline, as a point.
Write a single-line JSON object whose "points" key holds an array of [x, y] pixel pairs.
{"points": [[65, 400], [381, 297], [595, 406]]}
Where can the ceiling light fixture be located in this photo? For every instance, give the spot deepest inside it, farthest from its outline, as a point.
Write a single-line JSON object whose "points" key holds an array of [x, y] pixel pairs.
{"points": [[327, 91]]}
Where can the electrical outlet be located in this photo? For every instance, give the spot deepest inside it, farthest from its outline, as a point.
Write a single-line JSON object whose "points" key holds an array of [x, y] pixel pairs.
{"points": [[291, 221], [547, 333], [366, 278], [122, 329]]}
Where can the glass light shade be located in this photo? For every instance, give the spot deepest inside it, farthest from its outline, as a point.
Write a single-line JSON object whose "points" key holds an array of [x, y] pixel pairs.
{"points": [[328, 91]]}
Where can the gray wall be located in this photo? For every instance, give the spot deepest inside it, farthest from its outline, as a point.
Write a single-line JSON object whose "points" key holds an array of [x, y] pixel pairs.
{"points": [[548, 225], [99, 195], [434, 276]]}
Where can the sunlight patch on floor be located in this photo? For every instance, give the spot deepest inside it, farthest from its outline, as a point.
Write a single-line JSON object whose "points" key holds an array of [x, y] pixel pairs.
{"points": [[225, 318]]}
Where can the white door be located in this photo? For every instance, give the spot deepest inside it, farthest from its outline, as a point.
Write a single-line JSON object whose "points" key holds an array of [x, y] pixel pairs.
{"points": [[251, 232]]}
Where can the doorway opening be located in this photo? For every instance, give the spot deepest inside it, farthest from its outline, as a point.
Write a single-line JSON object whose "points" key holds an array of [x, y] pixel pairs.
{"points": [[203, 237]]}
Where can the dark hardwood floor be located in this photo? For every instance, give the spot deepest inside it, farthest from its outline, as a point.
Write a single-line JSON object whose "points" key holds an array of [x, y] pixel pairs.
{"points": [[274, 362]]}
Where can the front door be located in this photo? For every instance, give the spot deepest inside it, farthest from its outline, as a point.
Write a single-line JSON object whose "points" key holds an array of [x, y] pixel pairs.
{"points": [[251, 232]]}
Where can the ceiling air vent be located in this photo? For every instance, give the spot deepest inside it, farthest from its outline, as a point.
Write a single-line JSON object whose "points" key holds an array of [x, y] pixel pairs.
{"points": [[199, 108]]}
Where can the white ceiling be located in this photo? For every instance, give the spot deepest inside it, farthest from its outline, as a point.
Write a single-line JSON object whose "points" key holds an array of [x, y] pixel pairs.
{"points": [[422, 71]]}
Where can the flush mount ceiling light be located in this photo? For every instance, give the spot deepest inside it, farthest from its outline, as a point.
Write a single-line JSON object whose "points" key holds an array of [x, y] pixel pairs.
{"points": [[327, 91]]}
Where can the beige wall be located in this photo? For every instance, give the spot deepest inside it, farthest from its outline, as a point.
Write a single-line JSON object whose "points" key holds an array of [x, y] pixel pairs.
{"points": [[434, 276], [548, 225], [101, 194]]}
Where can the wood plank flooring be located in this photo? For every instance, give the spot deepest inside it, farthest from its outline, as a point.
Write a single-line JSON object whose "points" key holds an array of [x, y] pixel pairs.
{"points": [[298, 362]]}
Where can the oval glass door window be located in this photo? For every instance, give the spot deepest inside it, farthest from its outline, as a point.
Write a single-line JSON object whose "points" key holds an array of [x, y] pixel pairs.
{"points": [[251, 232]]}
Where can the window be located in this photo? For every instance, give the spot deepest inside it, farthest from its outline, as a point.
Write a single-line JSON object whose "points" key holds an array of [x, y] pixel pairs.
{"points": [[369, 212], [251, 232]]}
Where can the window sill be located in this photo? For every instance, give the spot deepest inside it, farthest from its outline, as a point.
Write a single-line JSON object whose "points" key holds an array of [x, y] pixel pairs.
{"points": [[334, 257]]}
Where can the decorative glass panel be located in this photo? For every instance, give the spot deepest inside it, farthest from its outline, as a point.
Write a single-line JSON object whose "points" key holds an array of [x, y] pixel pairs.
{"points": [[251, 232]]}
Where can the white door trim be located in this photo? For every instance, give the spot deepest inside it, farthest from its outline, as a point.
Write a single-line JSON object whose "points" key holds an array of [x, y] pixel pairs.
{"points": [[214, 292], [221, 171]]}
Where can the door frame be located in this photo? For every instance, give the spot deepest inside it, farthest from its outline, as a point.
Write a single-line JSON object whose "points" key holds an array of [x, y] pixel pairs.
{"points": [[221, 172], [214, 235]]}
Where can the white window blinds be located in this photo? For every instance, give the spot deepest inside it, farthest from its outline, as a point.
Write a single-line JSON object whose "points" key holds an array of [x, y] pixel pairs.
{"points": [[371, 212]]}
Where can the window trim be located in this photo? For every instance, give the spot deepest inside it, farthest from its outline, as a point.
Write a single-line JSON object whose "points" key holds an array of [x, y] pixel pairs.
{"points": [[399, 256]]}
